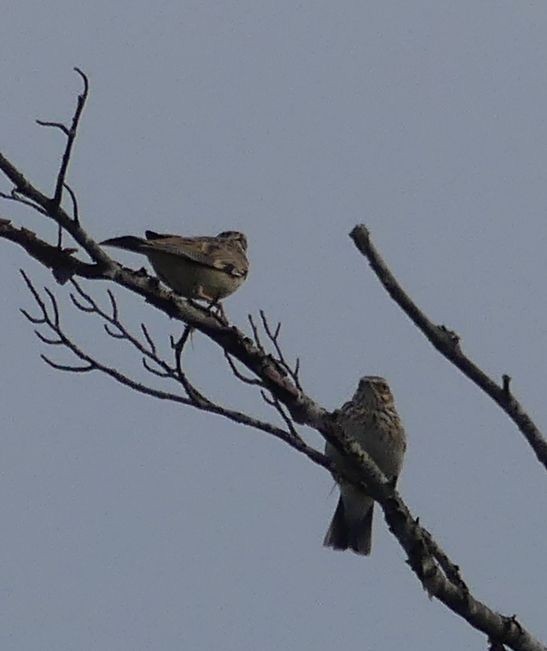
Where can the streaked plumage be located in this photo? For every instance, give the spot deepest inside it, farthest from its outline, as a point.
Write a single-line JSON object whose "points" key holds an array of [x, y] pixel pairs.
{"points": [[371, 419]]}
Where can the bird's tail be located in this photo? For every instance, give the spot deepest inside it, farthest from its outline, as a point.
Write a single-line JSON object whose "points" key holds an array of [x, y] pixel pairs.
{"points": [[344, 534], [127, 242]]}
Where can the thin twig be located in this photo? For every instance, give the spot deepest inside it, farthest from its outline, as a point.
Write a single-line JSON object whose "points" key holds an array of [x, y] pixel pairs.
{"points": [[160, 373], [70, 136], [32, 319], [17, 198], [116, 329], [193, 393], [239, 375], [48, 340], [274, 402], [67, 367], [148, 338], [273, 336], [56, 125], [113, 333], [73, 198], [256, 335], [196, 400], [113, 305]]}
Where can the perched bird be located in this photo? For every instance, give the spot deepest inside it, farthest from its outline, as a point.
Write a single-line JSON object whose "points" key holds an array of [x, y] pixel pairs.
{"points": [[371, 419], [207, 268]]}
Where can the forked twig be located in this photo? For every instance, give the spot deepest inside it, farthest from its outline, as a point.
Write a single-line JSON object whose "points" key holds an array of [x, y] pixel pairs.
{"points": [[194, 398], [193, 393], [117, 330], [18, 198], [273, 336], [74, 200], [70, 134], [256, 336], [274, 402], [239, 375]]}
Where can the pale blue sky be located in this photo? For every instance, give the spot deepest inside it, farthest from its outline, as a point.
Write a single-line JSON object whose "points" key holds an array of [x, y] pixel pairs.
{"points": [[134, 524]]}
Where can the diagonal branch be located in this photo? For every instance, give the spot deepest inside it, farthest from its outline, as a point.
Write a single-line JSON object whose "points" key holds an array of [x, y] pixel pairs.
{"points": [[47, 207], [61, 261], [447, 343]]}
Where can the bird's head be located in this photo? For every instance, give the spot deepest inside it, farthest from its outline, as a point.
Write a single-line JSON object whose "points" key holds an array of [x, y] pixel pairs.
{"points": [[374, 391], [234, 236]]}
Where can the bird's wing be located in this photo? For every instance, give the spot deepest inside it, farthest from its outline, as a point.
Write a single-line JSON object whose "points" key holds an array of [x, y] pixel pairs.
{"points": [[152, 235], [206, 251]]}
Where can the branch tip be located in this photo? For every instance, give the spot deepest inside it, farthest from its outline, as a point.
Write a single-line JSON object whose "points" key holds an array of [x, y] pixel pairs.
{"points": [[447, 342]]}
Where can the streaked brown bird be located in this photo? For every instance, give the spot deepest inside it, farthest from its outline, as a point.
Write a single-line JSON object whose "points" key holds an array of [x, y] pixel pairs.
{"points": [[206, 268], [371, 419]]}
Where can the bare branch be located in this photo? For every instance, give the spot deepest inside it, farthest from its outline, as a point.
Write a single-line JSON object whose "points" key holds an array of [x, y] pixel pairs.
{"points": [[193, 394], [113, 333], [113, 304], [60, 261], [47, 207], [54, 306], [71, 135], [197, 400], [47, 340], [17, 198], [239, 375], [148, 338], [447, 343], [32, 319], [56, 125], [35, 295], [256, 335], [80, 306], [274, 338], [74, 200], [116, 329], [179, 345], [160, 373], [274, 402], [68, 368]]}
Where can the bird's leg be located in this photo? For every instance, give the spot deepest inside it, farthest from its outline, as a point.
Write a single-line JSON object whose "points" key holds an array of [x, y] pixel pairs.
{"points": [[215, 307]]}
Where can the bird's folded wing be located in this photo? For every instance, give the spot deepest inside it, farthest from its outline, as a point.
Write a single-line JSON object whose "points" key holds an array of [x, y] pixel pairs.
{"points": [[207, 252]]}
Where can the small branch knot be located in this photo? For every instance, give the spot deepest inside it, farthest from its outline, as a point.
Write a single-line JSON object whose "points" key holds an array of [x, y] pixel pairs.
{"points": [[450, 337]]}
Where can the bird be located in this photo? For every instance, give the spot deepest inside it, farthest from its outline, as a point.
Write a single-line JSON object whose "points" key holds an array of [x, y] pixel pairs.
{"points": [[206, 268], [371, 419]]}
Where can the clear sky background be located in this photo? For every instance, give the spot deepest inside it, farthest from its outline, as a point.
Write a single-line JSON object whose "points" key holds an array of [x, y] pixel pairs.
{"points": [[132, 524]]}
